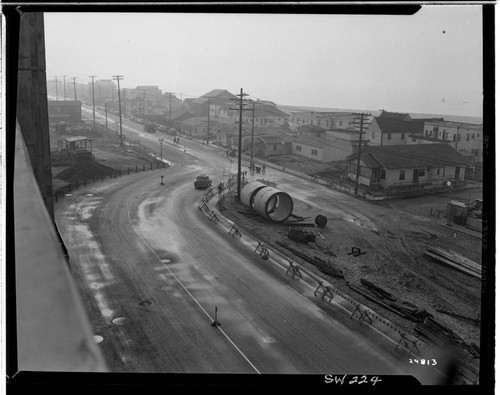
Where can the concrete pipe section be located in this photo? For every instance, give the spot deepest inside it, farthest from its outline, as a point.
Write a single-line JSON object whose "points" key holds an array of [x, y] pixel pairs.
{"points": [[268, 202]]}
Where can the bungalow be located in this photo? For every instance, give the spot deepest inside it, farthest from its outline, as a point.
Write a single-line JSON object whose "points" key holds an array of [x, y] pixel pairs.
{"points": [[196, 127], [311, 131], [318, 149], [391, 131], [464, 137], [324, 119], [430, 165], [266, 145]]}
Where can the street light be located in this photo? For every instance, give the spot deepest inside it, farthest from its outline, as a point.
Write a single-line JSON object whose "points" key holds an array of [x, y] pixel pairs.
{"points": [[161, 149], [448, 212]]}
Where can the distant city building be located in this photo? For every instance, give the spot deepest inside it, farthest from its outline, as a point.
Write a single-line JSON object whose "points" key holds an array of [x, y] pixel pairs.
{"points": [[323, 119], [65, 110]]}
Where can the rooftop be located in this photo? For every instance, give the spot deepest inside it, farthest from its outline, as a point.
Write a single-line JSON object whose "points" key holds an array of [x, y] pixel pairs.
{"points": [[410, 156]]}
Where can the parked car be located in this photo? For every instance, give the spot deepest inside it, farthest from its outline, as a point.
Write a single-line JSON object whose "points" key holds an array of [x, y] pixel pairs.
{"points": [[203, 182]]}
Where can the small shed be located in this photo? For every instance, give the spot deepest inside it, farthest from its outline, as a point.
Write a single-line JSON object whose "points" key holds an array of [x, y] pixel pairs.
{"points": [[78, 143]]}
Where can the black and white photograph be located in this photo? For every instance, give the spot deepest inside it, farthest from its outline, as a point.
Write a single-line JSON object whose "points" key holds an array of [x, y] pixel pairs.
{"points": [[249, 196]]}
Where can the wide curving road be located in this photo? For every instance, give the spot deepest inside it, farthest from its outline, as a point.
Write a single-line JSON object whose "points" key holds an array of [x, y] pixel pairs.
{"points": [[152, 269]]}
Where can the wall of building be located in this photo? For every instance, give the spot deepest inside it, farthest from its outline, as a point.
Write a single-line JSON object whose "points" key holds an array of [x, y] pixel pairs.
{"points": [[32, 108]]}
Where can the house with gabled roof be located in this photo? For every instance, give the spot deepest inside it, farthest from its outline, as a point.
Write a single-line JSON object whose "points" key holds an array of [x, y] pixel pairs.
{"points": [[196, 127], [395, 115], [320, 149], [199, 106], [391, 131], [412, 167]]}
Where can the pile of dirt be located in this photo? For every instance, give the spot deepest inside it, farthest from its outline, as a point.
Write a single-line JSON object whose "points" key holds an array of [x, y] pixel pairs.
{"points": [[395, 262], [86, 170]]}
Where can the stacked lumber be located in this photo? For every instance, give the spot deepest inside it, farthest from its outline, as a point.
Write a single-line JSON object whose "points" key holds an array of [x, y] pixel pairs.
{"points": [[454, 260], [435, 333], [323, 266], [378, 290], [387, 300]]}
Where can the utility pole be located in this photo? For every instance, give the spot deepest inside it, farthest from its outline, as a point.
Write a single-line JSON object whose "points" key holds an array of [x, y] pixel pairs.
{"points": [[57, 95], [251, 139], [125, 102], [457, 137], [64, 77], [161, 149], [143, 103], [208, 121], [118, 78], [361, 131], [170, 108], [93, 98], [74, 86], [241, 95], [106, 111]]}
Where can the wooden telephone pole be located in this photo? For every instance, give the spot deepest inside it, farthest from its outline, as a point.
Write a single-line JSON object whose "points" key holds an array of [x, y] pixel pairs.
{"points": [[93, 98], [74, 86], [361, 131], [240, 108], [118, 78]]}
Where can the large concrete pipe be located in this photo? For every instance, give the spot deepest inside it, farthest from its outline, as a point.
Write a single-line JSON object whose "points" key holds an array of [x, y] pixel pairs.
{"points": [[268, 202], [248, 192], [273, 204]]}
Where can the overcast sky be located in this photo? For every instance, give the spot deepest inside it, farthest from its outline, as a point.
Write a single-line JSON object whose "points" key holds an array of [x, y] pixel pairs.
{"points": [[430, 62]]}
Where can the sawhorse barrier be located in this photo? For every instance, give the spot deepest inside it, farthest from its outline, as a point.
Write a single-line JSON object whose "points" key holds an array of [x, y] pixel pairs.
{"points": [[355, 251], [234, 232], [262, 250], [209, 194], [327, 291], [294, 270], [361, 315], [407, 342], [213, 217]]}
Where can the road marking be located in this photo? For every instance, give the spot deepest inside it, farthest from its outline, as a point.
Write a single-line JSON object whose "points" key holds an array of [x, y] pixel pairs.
{"points": [[192, 297]]}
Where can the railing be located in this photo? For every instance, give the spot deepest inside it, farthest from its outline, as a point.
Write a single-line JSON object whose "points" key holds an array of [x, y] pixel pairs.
{"points": [[53, 332]]}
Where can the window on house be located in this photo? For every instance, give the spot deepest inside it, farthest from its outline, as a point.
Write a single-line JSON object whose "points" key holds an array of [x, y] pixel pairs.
{"points": [[382, 174], [421, 172], [402, 136], [454, 137], [401, 174], [473, 135], [438, 172], [468, 137], [275, 147], [298, 148], [314, 152], [389, 136]]}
